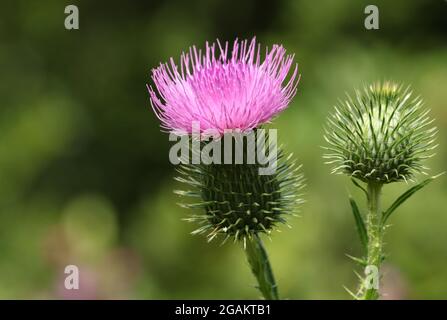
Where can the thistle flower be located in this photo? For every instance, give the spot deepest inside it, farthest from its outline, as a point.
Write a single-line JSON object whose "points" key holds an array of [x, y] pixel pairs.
{"points": [[226, 94], [382, 134], [231, 91]]}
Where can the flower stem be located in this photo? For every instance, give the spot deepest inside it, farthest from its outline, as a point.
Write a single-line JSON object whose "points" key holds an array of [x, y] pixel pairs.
{"points": [[260, 266], [375, 242]]}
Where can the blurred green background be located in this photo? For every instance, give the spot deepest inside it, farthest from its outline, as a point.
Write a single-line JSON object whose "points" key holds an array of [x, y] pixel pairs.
{"points": [[84, 171]]}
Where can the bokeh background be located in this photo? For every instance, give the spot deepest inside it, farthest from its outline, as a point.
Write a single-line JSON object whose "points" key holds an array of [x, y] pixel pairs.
{"points": [[84, 171]]}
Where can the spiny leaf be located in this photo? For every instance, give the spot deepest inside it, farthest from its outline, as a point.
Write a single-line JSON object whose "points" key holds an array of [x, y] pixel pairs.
{"points": [[360, 187], [404, 196], [359, 223]]}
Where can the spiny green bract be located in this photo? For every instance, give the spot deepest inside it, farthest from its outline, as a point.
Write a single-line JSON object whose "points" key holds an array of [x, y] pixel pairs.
{"points": [[238, 202], [381, 135]]}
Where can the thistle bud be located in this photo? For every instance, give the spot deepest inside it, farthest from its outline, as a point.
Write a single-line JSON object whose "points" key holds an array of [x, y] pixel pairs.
{"points": [[381, 135]]}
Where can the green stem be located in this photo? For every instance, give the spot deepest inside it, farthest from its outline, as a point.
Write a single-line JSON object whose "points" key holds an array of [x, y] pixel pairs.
{"points": [[260, 266], [375, 242]]}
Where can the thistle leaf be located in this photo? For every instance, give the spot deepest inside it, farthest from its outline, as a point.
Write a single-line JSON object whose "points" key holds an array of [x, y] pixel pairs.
{"points": [[359, 223], [404, 196], [360, 187]]}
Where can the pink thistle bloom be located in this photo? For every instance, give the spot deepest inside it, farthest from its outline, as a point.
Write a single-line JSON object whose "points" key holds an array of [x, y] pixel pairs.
{"points": [[227, 92]]}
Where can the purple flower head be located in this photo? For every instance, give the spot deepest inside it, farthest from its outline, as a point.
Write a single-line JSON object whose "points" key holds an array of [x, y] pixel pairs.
{"points": [[221, 90]]}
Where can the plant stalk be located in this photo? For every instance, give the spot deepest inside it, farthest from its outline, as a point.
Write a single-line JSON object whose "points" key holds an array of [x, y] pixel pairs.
{"points": [[260, 266], [375, 243]]}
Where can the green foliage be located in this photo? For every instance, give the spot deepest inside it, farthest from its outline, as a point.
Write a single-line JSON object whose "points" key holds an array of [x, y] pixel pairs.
{"points": [[372, 234], [360, 187], [406, 195], [360, 224]]}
